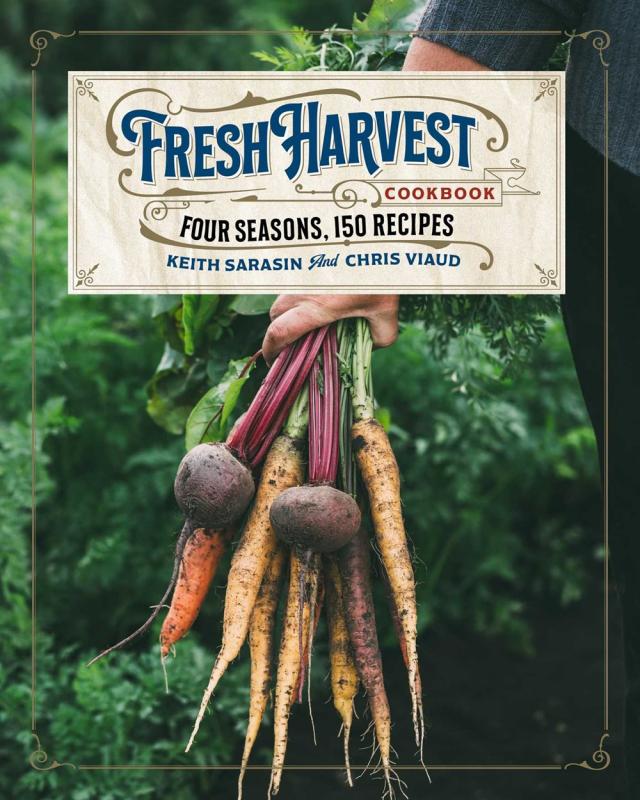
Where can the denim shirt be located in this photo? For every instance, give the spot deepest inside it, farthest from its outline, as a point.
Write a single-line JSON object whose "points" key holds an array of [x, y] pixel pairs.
{"points": [[614, 23]]}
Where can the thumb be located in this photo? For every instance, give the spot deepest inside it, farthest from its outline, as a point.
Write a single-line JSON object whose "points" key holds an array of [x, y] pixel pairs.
{"points": [[291, 325], [384, 330]]}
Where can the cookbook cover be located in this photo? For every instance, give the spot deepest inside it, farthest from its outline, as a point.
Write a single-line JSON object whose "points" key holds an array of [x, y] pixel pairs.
{"points": [[318, 401]]}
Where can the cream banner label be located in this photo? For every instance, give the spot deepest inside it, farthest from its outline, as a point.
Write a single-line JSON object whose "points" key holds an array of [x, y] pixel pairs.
{"points": [[316, 182]]}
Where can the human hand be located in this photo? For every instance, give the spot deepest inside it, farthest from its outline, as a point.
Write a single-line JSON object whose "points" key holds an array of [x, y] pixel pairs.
{"points": [[294, 315]]}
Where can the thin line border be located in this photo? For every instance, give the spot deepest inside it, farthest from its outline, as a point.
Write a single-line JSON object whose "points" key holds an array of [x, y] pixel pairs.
{"points": [[600, 759]]}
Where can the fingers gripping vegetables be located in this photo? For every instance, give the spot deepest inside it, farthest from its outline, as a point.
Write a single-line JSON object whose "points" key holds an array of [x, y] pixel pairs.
{"points": [[261, 646], [202, 553]]}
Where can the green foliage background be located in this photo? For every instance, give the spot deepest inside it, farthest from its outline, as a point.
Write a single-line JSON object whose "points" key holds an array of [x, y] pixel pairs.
{"points": [[479, 396]]}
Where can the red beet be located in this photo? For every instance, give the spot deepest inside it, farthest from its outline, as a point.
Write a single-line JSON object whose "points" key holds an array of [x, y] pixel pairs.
{"points": [[212, 487], [317, 518]]}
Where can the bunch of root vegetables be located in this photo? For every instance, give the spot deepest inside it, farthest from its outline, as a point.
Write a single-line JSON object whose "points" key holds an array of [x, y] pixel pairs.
{"points": [[299, 474]]}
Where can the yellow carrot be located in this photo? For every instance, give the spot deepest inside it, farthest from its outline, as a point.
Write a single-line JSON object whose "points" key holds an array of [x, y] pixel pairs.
{"points": [[295, 630], [260, 647], [381, 478], [282, 469], [344, 676]]}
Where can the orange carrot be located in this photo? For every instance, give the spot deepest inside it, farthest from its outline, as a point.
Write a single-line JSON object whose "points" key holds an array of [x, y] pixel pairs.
{"points": [[202, 554]]}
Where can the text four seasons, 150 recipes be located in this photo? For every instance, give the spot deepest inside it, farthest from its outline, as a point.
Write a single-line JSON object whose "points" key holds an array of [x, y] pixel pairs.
{"points": [[288, 229]]}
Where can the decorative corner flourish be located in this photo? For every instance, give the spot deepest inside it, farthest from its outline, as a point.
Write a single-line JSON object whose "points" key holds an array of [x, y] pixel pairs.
{"points": [[84, 277], [85, 87], [548, 87], [547, 276], [601, 41], [39, 42], [600, 759], [40, 760]]}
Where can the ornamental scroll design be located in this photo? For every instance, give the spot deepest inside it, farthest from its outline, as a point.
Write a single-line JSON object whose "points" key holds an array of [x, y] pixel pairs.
{"points": [[348, 193], [85, 87], [250, 101], [173, 109], [39, 41], [600, 758], [509, 184], [601, 41], [547, 276], [176, 192], [85, 277], [345, 194], [546, 88], [40, 761]]}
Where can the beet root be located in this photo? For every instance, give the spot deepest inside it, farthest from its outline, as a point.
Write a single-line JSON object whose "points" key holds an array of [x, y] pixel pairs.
{"points": [[212, 487], [317, 518]]}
